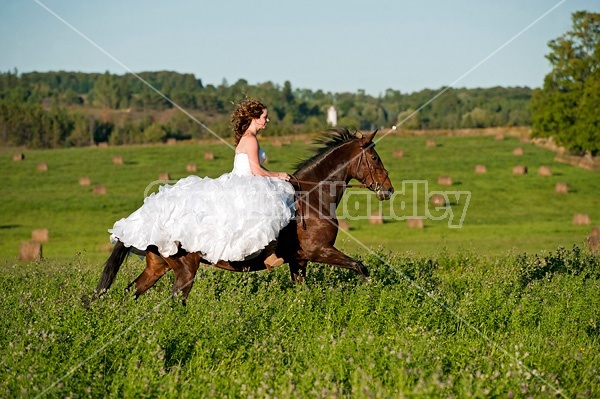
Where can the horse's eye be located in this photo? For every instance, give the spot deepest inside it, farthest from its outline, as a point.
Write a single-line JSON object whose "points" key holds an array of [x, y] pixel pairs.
{"points": [[374, 157]]}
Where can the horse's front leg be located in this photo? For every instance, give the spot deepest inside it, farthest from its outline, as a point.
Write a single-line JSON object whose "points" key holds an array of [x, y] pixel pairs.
{"points": [[332, 256], [298, 270]]}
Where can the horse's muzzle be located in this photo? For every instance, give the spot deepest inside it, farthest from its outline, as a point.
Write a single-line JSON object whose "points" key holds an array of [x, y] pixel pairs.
{"points": [[383, 195]]}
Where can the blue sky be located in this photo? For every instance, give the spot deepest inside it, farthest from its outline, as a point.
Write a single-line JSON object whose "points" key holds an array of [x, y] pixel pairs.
{"points": [[334, 46]]}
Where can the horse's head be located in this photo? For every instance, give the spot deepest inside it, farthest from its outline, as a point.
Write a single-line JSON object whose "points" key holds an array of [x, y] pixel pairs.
{"points": [[369, 170]]}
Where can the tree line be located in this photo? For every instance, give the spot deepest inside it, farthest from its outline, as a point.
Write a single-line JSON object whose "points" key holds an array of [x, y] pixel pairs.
{"points": [[567, 107], [58, 109]]}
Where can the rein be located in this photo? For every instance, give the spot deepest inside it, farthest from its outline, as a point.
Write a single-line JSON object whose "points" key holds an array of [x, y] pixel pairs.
{"points": [[316, 183]]}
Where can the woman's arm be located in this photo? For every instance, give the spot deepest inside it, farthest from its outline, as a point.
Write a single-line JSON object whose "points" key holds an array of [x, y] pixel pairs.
{"points": [[251, 149]]}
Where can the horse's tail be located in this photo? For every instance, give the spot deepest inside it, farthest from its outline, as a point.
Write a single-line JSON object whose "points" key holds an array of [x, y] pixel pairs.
{"points": [[111, 268]]}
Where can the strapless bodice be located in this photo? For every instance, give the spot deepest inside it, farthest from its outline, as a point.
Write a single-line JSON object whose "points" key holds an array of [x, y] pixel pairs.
{"points": [[241, 164]]}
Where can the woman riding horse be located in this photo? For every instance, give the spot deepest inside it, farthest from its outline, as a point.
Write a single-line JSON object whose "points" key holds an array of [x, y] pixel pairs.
{"points": [[319, 185]]}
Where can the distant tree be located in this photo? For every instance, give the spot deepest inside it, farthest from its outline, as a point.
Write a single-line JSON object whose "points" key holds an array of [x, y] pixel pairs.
{"points": [[314, 125], [83, 131], [477, 118], [154, 133], [126, 133], [106, 91], [288, 96], [566, 108], [182, 126], [408, 119]]}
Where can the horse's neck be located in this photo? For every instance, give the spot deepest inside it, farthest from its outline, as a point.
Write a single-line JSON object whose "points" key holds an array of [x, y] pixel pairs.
{"points": [[332, 172], [331, 168], [321, 176]]}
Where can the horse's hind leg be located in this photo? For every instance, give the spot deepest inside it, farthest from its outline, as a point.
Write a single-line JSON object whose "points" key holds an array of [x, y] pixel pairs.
{"points": [[156, 267], [185, 268]]}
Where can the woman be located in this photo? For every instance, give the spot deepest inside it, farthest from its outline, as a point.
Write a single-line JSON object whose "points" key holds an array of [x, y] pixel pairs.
{"points": [[232, 217]]}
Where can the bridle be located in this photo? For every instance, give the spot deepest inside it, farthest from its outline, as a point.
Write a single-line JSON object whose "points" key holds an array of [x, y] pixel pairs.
{"points": [[371, 169], [377, 185]]}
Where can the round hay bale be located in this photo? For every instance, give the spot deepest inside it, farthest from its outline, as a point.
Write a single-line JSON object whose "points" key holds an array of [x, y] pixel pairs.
{"points": [[99, 189], [480, 169], [594, 244], [85, 181], [277, 143], [561, 188], [520, 170], [106, 247], [103, 144], [415, 222], [191, 167], [376, 218], [343, 225], [117, 160], [445, 181], [40, 235], [18, 157], [545, 171], [30, 251], [398, 153], [499, 137], [171, 141], [438, 200], [430, 143], [42, 167], [581, 219], [209, 155], [518, 151], [593, 240], [286, 141], [164, 176]]}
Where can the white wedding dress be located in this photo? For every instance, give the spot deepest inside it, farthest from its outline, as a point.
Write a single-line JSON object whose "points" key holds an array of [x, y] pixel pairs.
{"points": [[228, 218]]}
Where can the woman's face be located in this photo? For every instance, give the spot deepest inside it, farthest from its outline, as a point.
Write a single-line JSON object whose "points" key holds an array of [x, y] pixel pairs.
{"points": [[262, 121]]}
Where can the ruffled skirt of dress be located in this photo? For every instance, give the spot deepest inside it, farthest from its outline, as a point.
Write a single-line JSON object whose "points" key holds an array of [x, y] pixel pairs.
{"points": [[227, 218]]}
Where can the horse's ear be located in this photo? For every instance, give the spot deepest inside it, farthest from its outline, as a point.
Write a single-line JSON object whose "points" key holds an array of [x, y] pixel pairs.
{"points": [[368, 138]]}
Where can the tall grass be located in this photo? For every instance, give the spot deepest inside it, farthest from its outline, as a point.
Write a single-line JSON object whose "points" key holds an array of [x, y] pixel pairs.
{"points": [[451, 326]]}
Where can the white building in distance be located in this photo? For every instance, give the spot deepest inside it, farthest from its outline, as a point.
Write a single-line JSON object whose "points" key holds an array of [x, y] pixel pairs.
{"points": [[332, 116]]}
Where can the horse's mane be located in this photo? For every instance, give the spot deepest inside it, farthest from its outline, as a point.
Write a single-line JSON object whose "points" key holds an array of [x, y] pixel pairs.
{"points": [[330, 139]]}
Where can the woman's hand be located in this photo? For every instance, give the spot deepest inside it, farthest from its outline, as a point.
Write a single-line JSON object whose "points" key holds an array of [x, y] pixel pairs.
{"points": [[283, 176]]}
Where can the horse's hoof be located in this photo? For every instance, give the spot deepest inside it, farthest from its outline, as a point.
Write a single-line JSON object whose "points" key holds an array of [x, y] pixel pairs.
{"points": [[363, 271], [86, 300]]}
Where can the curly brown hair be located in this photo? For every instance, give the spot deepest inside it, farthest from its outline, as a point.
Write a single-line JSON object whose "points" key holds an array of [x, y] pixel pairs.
{"points": [[242, 116]]}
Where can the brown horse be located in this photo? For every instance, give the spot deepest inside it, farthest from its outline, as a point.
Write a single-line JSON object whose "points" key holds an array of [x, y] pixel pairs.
{"points": [[320, 182]]}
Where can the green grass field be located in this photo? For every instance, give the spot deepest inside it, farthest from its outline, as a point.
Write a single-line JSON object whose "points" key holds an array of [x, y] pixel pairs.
{"points": [[505, 212], [459, 326], [507, 306]]}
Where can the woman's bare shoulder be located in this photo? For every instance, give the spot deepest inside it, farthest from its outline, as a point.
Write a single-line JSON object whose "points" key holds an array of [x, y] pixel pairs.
{"points": [[247, 144]]}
